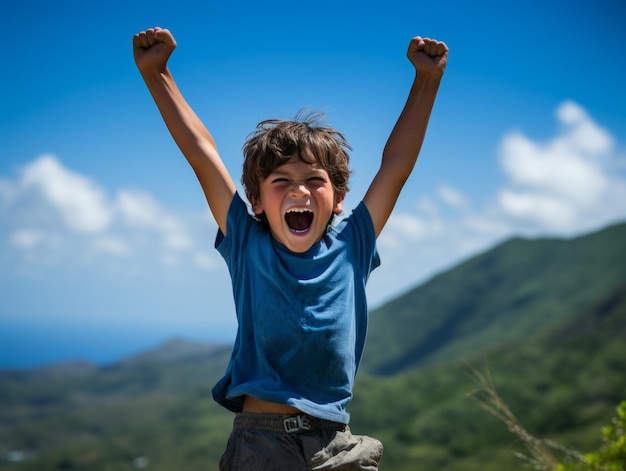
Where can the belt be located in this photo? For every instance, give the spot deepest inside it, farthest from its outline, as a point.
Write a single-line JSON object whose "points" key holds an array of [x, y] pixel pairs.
{"points": [[284, 424]]}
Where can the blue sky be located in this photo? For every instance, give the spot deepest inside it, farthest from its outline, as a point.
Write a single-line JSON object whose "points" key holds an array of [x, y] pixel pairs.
{"points": [[106, 244]]}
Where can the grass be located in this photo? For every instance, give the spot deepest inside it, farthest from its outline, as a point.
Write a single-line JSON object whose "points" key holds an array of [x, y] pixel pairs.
{"points": [[540, 452]]}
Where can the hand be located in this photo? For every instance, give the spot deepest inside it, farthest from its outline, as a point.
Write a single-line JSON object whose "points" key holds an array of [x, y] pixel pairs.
{"points": [[152, 48], [428, 55]]}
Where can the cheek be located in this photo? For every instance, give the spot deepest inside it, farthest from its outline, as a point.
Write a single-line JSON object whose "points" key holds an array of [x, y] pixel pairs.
{"points": [[272, 201], [277, 192], [269, 197], [327, 195]]}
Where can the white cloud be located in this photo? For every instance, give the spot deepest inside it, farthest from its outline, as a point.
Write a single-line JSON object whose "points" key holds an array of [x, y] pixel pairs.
{"points": [[69, 218], [452, 197], [544, 210], [26, 239], [404, 228], [427, 206], [80, 203], [558, 168], [581, 132], [176, 238], [485, 225], [569, 184], [7, 192], [205, 260], [566, 183], [170, 260], [140, 210], [112, 246]]}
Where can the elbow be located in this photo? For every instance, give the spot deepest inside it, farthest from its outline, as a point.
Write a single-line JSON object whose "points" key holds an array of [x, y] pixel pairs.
{"points": [[396, 168]]}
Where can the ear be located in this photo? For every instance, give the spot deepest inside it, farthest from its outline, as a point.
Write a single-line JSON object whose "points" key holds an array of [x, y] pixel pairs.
{"points": [[339, 203], [257, 207]]}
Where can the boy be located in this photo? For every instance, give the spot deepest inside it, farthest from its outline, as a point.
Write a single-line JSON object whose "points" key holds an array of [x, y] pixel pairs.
{"points": [[298, 279]]}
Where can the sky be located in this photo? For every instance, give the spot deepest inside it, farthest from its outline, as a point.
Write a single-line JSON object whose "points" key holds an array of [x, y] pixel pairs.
{"points": [[106, 242]]}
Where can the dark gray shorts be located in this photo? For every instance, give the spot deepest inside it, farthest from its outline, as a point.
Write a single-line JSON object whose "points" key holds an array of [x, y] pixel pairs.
{"points": [[271, 442]]}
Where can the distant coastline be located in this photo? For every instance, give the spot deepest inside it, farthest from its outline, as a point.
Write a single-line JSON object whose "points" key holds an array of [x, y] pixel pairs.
{"points": [[25, 345]]}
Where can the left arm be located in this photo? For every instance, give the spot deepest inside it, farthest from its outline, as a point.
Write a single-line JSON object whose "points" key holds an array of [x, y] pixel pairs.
{"points": [[429, 58]]}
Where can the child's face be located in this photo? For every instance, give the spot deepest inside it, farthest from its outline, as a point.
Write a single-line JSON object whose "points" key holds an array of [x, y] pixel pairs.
{"points": [[298, 200]]}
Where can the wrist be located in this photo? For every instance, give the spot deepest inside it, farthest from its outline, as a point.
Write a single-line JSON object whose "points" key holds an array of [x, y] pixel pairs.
{"points": [[153, 74], [429, 75], [427, 81]]}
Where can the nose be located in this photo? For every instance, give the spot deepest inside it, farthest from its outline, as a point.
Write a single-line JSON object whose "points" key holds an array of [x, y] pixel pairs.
{"points": [[299, 190]]}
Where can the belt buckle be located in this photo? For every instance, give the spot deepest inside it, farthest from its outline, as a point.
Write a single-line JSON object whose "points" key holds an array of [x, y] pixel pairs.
{"points": [[296, 423]]}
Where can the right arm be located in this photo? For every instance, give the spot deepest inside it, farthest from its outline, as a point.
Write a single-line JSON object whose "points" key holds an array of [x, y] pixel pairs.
{"points": [[152, 48], [429, 57]]}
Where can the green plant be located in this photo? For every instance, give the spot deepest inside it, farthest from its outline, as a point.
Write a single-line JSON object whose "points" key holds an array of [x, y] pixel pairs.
{"points": [[612, 454], [541, 452]]}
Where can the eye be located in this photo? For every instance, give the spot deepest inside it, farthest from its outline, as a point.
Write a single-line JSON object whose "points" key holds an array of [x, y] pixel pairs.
{"points": [[279, 180]]}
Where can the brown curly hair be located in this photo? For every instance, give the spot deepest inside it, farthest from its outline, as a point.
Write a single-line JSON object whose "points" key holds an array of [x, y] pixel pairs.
{"points": [[275, 141]]}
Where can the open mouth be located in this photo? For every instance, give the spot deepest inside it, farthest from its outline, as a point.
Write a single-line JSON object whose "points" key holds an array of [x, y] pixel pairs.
{"points": [[299, 220]]}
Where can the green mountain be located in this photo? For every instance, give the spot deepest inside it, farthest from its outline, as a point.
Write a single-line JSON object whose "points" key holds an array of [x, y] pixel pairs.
{"points": [[80, 416], [563, 384], [548, 315], [498, 297]]}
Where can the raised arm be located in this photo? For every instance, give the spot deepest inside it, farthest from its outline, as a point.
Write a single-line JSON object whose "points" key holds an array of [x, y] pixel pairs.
{"points": [[429, 58], [152, 49]]}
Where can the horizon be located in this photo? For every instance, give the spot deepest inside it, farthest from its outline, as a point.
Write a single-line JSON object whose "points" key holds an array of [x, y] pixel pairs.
{"points": [[100, 352], [104, 230]]}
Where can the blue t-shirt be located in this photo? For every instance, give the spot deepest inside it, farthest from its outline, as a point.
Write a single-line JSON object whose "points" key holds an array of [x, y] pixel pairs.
{"points": [[302, 317]]}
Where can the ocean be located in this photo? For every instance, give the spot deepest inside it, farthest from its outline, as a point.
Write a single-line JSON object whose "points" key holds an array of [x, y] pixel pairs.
{"points": [[25, 345]]}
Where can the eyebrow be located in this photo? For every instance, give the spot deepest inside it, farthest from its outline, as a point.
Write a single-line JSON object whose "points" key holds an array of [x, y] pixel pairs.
{"points": [[287, 173]]}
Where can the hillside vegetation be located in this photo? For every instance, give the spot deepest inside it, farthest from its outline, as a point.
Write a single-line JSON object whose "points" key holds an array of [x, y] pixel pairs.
{"points": [[504, 295], [563, 383], [546, 317]]}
